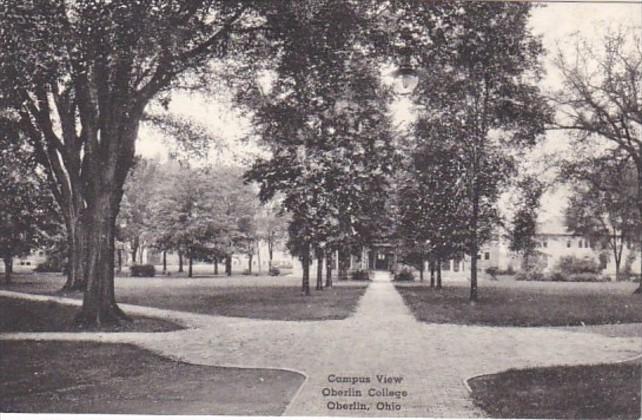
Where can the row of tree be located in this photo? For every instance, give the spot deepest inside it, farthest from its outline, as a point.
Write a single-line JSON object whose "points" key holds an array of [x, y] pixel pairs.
{"points": [[200, 213]]}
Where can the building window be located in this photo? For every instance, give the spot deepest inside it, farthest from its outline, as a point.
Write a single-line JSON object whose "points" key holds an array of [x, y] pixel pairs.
{"points": [[487, 255], [41, 253], [568, 244], [545, 244], [579, 244]]}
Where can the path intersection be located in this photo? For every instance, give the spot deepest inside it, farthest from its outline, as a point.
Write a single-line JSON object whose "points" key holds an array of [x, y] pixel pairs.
{"points": [[379, 362]]}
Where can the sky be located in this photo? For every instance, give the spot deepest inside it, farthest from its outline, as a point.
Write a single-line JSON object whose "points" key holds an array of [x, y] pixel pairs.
{"points": [[556, 22]]}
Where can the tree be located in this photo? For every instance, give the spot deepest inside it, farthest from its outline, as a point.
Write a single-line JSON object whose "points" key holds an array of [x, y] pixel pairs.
{"points": [[27, 211], [135, 216], [600, 101], [480, 73], [522, 235], [81, 75], [325, 124], [272, 228], [602, 205]]}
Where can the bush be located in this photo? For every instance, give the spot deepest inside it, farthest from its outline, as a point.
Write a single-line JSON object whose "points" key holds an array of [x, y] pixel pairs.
{"points": [[573, 265], [49, 266], [274, 271], [144, 270], [405, 274], [360, 275], [492, 271], [577, 277]]}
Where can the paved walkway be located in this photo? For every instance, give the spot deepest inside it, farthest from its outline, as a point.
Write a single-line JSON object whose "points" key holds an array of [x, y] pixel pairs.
{"points": [[382, 338]]}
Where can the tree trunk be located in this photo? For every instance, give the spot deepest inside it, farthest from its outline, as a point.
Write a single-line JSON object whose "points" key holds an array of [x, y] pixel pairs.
{"points": [[8, 269], [190, 262], [164, 261], [344, 263], [639, 289], [99, 304], [474, 246], [431, 266], [77, 259], [215, 265], [328, 269], [120, 260], [249, 263], [135, 252], [421, 270], [228, 265], [270, 255], [305, 263], [438, 273], [319, 270], [180, 262]]}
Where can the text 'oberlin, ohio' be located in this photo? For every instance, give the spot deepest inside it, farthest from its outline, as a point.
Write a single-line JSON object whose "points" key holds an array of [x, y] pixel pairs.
{"points": [[361, 393]]}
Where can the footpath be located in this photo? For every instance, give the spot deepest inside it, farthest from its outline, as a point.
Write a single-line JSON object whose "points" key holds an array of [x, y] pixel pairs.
{"points": [[379, 362]]}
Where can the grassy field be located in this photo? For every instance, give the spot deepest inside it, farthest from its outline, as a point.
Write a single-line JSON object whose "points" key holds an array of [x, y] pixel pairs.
{"points": [[20, 315], [526, 304], [64, 377], [260, 297], [578, 392]]}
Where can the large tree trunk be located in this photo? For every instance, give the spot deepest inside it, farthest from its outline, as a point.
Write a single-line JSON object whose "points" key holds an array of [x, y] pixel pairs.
{"points": [[270, 255], [180, 262], [319, 270], [421, 270], [164, 261], [190, 263], [228, 265], [120, 260], [438, 273], [328, 269], [77, 258], [99, 304], [8, 269], [305, 263], [639, 289], [215, 265], [431, 265], [344, 262], [474, 246], [135, 247], [249, 263]]}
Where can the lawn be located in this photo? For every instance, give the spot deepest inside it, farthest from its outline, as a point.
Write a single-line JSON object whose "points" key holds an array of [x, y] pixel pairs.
{"points": [[21, 315], [528, 306], [259, 297], [580, 392], [64, 377]]}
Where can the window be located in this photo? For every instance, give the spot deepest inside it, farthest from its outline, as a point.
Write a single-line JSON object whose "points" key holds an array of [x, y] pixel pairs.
{"points": [[545, 244], [579, 244], [568, 244], [487, 255], [41, 253]]}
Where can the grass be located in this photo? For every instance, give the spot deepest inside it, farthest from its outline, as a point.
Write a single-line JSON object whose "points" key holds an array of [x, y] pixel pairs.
{"points": [[581, 392], [21, 315], [523, 306], [276, 303], [275, 298], [64, 377]]}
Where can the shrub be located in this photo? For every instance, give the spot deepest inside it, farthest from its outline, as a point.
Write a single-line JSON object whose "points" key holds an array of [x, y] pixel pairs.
{"points": [[570, 264], [405, 274], [274, 271], [577, 277], [493, 271], [49, 266], [143, 270], [533, 270], [360, 275]]}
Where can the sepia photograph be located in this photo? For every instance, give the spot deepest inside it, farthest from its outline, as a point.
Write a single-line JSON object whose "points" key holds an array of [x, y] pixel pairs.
{"points": [[321, 208]]}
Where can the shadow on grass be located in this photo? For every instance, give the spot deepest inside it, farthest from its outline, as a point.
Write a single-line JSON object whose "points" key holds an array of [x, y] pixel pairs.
{"points": [[578, 392], [22, 315], [276, 303], [64, 377], [521, 307]]}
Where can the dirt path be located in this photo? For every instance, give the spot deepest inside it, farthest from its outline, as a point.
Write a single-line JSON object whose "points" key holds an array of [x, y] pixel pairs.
{"points": [[431, 361]]}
